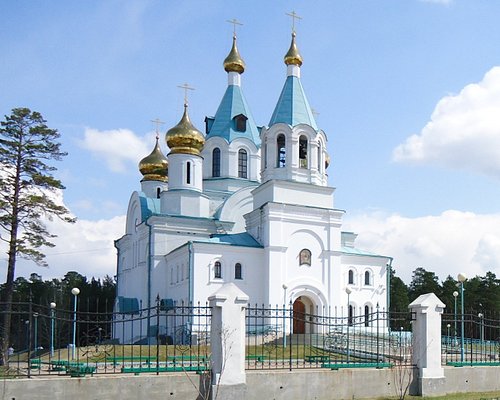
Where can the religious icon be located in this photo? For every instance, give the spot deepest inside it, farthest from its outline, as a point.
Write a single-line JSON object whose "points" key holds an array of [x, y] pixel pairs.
{"points": [[305, 257]]}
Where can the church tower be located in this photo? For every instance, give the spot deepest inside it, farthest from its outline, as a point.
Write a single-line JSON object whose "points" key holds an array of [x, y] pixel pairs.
{"points": [[184, 195], [232, 149], [154, 169]]}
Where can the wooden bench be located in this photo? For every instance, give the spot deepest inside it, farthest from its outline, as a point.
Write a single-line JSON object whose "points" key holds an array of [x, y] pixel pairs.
{"points": [[175, 359], [139, 359], [80, 370], [153, 369], [335, 366]]}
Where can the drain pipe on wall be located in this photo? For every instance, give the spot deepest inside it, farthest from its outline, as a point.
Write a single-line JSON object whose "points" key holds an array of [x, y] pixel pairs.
{"points": [[150, 267]]}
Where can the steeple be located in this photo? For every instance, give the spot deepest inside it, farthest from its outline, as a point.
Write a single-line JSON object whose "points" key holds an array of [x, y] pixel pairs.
{"points": [[292, 107]]}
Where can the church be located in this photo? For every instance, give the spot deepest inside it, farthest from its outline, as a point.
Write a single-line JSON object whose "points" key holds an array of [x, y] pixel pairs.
{"points": [[246, 204]]}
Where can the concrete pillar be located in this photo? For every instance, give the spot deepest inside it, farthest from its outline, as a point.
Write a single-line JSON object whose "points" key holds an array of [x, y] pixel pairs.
{"points": [[427, 343], [227, 339]]}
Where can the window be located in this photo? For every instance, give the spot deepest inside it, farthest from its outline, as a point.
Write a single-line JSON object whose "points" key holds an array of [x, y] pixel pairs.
{"points": [[216, 162], [303, 152], [319, 157], [351, 277], [367, 316], [367, 278], [188, 173], [280, 142], [217, 270], [237, 271], [242, 164], [158, 191], [351, 315], [240, 123], [305, 257]]}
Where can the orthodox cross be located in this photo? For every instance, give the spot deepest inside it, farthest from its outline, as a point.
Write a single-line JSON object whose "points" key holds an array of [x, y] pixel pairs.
{"points": [[158, 124], [186, 87], [294, 17], [235, 22]]}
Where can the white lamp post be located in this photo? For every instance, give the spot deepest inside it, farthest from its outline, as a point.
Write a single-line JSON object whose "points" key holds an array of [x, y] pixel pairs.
{"points": [[285, 287], [35, 315], [75, 292], [481, 322], [52, 314], [461, 279], [455, 295], [348, 291]]}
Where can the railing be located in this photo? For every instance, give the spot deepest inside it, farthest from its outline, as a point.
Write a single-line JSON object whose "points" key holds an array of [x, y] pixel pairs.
{"points": [[279, 338], [479, 344], [45, 341]]}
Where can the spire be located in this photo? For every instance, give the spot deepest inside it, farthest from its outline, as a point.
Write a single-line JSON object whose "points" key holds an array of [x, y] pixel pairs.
{"points": [[184, 138], [234, 62]]}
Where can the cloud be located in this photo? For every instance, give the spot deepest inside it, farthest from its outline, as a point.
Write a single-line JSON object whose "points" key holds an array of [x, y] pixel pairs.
{"points": [[446, 244], [117, 147], [463, 132]]}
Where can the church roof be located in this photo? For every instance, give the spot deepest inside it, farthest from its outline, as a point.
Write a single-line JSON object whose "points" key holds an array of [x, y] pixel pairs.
{"points": [[292, 107], [223, 124], [353, 251], [235, 239]]}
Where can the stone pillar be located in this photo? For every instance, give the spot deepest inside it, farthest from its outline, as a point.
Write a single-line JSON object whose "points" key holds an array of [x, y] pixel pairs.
{"points": [[427, 343], [227, 338]]}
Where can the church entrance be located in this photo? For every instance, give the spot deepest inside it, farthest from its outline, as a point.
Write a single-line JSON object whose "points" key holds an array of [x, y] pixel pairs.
{"points": [[299, 316]]}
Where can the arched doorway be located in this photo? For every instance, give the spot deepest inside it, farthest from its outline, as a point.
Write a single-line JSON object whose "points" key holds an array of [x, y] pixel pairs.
{"points": [[299, 316]]}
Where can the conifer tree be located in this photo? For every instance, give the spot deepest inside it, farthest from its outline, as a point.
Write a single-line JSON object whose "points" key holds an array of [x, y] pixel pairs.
{"points": [[27, 188]]}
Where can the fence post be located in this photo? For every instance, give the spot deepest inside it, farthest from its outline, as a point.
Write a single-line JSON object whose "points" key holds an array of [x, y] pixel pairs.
{"points": [[227, 337], [427, 343]]}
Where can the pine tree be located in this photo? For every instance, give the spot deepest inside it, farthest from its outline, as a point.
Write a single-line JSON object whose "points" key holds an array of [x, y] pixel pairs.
{"points": [[27, 187]]}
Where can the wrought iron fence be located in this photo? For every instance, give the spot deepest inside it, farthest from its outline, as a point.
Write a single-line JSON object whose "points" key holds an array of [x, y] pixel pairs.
{"points": [[281, 338], [48, 341], [471, 339]]}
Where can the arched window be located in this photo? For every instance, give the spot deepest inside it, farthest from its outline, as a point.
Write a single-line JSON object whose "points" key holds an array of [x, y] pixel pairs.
{"points": [[281, 151], [351, 277], [303, 152], [367, 278], [305, 257], [216, 162], [319, 157], [158, 191], [238, 271], [242, 164], [217, 270], [367, 316], [188, 173], [350, 315]]}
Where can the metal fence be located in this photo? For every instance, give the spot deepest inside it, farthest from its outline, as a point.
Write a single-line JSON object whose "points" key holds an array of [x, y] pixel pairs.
{"points": [[281, 338], [471, 339], [47, 341]]}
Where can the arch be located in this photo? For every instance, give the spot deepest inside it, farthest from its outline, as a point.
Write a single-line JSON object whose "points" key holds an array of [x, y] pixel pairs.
{"points": [[217, 270], [299, 316], [367, 315], [280, 151], [242, 164], [303, 152], [216, 162], [368, 278], [158, 192], [238, 271], [350, 315], [188, 172]]}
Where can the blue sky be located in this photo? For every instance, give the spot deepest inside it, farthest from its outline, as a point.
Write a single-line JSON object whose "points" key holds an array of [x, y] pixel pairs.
{"points": [[407, 91]]}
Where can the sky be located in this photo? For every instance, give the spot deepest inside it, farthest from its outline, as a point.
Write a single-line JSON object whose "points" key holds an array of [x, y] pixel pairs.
{"points": [[407, 92]]}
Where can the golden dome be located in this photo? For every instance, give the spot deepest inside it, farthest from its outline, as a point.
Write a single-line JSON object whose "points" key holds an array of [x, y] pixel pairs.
{"points": [[234, 62], [155, 166], [293, 57], [184, 138], [327, 160]]}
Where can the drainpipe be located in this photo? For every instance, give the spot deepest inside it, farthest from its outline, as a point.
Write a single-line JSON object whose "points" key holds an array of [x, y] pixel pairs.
{"points": [[191, 272], [118, 273], [150, 267]]}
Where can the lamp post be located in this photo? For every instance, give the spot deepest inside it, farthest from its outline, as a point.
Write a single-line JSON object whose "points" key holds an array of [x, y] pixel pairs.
{"points": [[455, 295], [481, 324], [75, 292], [285, 287], [35, 315], [348, 291], [448, 333], [52, 315], [461, 279]]}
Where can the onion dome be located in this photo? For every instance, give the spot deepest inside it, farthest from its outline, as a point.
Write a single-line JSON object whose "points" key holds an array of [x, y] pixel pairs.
{"points": [[292, 57], [184, 138], [155, 166], [234, 62]]}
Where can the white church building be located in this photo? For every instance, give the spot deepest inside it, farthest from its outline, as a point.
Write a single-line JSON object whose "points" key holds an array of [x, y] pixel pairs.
{"points": [[249, 205]]}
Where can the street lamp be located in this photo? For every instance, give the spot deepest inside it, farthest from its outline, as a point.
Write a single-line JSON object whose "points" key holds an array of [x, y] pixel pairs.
{"points": [[75, 292], [348, 291], [35, 315], [27, 323], [285, 287], [481, 323], [455, 295], [461, 279], [52, 315], [448, 333]]}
